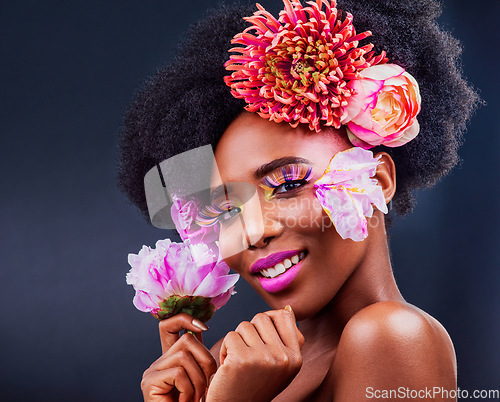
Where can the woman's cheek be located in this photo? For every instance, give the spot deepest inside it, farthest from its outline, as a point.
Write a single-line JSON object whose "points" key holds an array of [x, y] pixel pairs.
{"points": [[305, 213], [299, 214], [230, 246]]}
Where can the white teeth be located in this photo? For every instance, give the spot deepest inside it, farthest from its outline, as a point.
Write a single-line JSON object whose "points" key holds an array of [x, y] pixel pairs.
{"points": [[281, 267], [272, 272]]}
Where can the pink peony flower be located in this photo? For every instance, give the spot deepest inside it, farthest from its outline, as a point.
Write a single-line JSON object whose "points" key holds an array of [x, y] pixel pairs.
{"points": [[296, 68], [177, 277], [384, 107], [184, 213], [346, 192]]}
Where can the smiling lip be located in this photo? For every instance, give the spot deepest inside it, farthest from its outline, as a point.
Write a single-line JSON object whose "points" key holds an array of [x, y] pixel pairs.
{"points": [[272, 260], [280, 282]]}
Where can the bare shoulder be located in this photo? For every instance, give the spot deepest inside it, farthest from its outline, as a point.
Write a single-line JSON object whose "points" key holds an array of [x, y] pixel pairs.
{"points": [[215, 351], [393, 344], [394, 323]]}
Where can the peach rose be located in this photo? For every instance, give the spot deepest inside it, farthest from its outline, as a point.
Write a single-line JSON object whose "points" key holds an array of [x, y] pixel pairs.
{"points": [[383, 107]]}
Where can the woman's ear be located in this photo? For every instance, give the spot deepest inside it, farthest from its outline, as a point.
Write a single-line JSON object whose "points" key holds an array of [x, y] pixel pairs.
{"points": [[386, 175]]}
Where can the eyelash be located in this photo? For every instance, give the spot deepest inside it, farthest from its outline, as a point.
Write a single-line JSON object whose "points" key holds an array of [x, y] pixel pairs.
{"points": [[211, 214], [287, 174]]}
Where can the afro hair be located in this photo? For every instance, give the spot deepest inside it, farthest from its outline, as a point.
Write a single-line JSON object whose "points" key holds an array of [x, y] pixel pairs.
{"points": [[191, 89]]}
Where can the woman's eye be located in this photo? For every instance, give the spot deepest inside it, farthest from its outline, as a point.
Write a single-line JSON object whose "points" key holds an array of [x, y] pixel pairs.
{"points": [[230, 213], [288, 186]]}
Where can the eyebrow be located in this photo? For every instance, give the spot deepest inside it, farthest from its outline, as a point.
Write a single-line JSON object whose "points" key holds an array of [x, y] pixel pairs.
{"points": [[278, 163]]}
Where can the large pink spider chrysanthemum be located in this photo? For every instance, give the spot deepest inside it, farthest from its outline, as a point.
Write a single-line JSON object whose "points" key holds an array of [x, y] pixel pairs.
{"points": [[296, 68]]}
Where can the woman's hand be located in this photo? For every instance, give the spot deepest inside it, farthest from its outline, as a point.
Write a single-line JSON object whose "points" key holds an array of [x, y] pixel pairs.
{"points": [[259, 359], [183, 370]]}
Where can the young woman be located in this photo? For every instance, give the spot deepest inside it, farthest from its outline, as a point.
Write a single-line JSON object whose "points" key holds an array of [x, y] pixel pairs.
{"points": [[314, 249]]}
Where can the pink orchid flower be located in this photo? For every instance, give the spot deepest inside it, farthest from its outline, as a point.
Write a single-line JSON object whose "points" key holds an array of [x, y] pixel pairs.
{"points": [[178, 277], [346, 192]]}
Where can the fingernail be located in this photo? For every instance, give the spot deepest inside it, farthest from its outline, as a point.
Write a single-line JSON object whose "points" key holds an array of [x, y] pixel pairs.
{"points": [[289, 308], [198, 324]]}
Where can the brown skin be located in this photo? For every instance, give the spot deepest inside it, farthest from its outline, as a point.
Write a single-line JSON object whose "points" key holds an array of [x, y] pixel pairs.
{"points": [[183, 370], [358, 330]]}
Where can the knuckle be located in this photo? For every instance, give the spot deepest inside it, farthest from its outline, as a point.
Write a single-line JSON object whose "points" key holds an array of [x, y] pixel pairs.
{"points": [[208, 362], [287, 360], [183, 316], [163, 324], [174, 321], [243, 325], [187, 339], [144, 383], [282, 360], [183, 354], [145, 374], [177, 372], [296, 361], [212, 366], [149, 371], [167, 323], [268, 360], [260, 317], [268, 314]]}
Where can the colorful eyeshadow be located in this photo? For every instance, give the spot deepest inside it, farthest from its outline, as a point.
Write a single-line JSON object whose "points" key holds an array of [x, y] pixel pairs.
{"points": [[286, 174], [210, 214]]}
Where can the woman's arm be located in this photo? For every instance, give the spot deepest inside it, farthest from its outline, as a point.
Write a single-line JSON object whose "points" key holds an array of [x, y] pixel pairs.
{"points": [[390, 349]]}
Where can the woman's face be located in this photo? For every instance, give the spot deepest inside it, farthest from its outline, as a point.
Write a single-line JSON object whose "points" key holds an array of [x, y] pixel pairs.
{"points": [[274, 215]]}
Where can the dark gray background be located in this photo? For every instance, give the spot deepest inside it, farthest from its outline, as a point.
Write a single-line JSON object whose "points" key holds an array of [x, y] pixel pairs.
{"points": [[68, 328]]}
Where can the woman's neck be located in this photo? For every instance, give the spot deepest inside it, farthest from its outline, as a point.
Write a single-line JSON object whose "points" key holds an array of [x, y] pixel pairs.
{"points": [[371, 282]]}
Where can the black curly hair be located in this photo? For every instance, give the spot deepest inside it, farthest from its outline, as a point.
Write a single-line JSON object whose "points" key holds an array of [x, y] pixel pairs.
{"points": [[187, 104]]}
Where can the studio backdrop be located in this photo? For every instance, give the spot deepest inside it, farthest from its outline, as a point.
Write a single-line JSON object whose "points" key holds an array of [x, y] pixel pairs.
{"points": [[68, 328]]}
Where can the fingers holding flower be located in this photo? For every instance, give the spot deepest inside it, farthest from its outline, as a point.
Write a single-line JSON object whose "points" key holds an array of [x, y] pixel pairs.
{"points": [[170, 329], [181, 284], [183, 371]]}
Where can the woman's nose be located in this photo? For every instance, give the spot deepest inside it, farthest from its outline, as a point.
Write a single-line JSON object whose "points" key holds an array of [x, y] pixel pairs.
{"points": [[261, 223], [254, 227]]}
